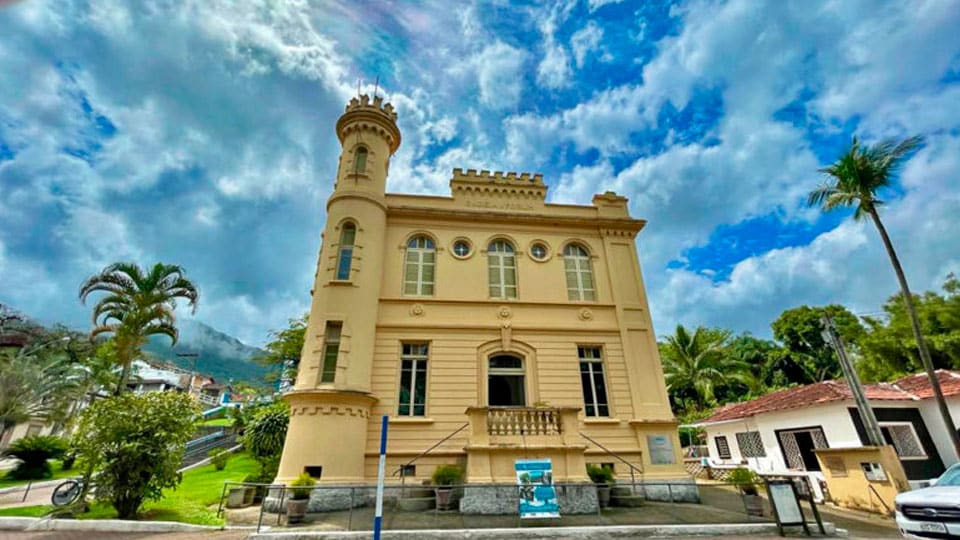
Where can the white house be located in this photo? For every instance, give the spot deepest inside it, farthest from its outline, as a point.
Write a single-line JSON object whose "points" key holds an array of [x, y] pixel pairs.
{"points": [[777, 433]]}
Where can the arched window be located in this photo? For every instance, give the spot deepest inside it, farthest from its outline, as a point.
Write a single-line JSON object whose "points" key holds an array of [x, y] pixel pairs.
{"points": [[502, 269], [576, 263], [505, 381], [418, 267], [345, 256], [360, 160]]}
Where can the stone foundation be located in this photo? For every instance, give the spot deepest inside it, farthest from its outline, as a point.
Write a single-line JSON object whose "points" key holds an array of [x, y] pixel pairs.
{"points": [[497, 500], [669, 490]]}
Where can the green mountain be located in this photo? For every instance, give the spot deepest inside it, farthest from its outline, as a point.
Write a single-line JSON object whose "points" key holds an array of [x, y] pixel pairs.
{"points": [[219, 355]]}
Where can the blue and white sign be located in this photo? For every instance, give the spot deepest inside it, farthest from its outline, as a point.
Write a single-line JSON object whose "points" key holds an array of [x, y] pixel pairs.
{"points": [[538, 497]]}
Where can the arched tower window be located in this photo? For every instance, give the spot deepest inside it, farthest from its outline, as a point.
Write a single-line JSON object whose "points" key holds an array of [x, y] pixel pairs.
{"points": [[419, 267], [345, 256], [576, 263], [360, 160], [502, 269]]}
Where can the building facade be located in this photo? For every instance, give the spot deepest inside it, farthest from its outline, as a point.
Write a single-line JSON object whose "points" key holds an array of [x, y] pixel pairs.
{"points": [[515, 327]]}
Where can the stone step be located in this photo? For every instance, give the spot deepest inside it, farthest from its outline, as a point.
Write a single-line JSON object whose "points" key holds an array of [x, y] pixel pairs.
{"points": [[627, 501], [417, 492], [410, 504], [621, 491]]}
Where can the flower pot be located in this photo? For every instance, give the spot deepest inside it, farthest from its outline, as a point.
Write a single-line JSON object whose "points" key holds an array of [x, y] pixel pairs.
{"points": [[296, 510], [444, 498], [603, 495], [236, 497], [248, 494], [753, 505]]}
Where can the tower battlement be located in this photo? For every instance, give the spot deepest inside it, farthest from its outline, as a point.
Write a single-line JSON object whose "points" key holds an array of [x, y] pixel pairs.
{"points": [[472, 175], [363, 102]]}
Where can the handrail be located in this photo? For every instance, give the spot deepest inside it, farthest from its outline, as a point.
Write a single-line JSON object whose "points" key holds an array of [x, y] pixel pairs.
{"points": [[633, 479], [428, 450]]}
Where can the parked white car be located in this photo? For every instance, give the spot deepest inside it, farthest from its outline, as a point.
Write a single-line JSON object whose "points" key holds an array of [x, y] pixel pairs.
{"points": [[932, 512]]}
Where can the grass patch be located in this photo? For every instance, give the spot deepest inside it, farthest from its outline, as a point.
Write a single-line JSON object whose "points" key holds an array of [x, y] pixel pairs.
{"points": [[194, 501], [218, 422], [55, 466]]}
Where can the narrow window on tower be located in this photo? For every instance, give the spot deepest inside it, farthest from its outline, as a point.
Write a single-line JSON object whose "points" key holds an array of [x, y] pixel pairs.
{"points": [[576, 262], [345, 256], [502, 269], [591, 378], [419, 266], [413, 380], [360, 160], [331, 348]]}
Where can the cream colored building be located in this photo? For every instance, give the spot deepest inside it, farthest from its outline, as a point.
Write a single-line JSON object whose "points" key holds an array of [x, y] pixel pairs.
{"points": [[524, 323]]}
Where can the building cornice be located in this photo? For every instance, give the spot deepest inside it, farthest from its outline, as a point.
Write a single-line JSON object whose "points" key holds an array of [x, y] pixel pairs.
{"points": [[628, 227]]}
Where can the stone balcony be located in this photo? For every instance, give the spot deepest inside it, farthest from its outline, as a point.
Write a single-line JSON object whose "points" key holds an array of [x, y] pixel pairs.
{"points": [[498, 436]]}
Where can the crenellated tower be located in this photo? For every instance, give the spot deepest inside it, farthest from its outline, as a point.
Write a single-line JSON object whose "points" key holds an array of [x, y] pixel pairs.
{"points": [[331, 400]]}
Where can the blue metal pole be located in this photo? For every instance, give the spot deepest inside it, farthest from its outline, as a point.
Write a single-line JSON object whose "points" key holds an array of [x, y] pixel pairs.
{"points": [[378, 518]]}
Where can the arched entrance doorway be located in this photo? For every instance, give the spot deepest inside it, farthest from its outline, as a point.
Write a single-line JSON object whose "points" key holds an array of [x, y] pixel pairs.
{"points": [[506, 385]]}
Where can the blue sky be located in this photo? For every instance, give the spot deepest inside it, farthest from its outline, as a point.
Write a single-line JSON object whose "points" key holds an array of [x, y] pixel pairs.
{"points": [[201, 133]]}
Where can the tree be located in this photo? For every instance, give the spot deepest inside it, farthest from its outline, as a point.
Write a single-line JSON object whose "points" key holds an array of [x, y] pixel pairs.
{"points": [[284, 348], [135, 444], [265, 434], [696, 365], [36, 383], [855, 181], [137, 304], [806, 353], [755, 354]]}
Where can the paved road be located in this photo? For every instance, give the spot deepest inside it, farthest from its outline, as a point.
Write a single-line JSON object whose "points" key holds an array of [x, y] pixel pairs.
{"points": [[76, 535]]}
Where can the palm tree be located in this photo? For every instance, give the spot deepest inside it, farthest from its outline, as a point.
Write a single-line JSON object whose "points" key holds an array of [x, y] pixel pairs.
{"points": [[137, 305], [36, 383], [695, 365], [855, 180]]}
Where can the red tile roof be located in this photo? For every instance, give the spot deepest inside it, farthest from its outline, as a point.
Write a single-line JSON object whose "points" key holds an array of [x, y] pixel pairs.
{"points": [[912, 388]]}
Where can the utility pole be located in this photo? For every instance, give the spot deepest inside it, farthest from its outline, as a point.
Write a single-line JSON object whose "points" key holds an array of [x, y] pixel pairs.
{"points": [[870, 425]]}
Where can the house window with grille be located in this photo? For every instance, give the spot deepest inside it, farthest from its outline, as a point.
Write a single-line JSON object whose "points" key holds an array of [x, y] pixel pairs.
{"points": [[331, 349], [413, 380], [502, 269], [904, 439], [576, 263], [345, 256], [419, 266], [591, 378], [750, 444], [723, 447]]}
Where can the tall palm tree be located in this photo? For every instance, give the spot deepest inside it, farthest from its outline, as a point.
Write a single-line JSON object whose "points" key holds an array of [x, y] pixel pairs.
{"points": [[137, 305], [696, 364], [855, 180]]}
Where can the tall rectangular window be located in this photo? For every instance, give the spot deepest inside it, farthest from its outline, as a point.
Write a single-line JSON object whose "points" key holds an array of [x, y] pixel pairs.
{"points": [[723, 447], [331, 348], [413, 380], [345, 255], [502, 269], [591, 378], [418, 267]]}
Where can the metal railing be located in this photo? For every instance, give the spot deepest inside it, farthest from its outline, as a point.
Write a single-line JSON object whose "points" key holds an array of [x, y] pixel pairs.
{"points": [[399, 470], [618, 457]]}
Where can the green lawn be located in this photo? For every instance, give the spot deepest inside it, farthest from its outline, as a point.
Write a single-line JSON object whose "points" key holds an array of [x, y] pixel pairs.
{"points": [[219, 422], [194, 501], [57, 474]]}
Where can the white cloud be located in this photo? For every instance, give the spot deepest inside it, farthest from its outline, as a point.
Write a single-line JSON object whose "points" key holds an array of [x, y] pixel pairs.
{"points": [[587, 40], [554, 70], [499, 72]]}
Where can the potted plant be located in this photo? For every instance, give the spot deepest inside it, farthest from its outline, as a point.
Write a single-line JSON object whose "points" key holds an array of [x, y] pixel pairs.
{"points": [[746, 482], [299, 498], [444, 477], [603, 478]]}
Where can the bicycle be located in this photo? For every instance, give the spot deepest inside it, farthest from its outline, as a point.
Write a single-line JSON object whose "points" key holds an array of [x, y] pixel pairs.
{"points": [[68, 491]]}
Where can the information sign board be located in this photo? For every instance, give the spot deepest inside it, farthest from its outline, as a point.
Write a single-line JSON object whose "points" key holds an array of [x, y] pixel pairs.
{"points": [[538, 497]]}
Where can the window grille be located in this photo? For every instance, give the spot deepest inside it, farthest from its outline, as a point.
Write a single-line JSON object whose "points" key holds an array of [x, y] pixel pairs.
{"points": [[750, 444], [903, 437], [723, 447]]}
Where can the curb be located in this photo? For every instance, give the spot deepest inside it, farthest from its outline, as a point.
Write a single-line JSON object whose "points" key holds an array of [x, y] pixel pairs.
{"points": [[33, 486], [749, 530], [101, 525]]}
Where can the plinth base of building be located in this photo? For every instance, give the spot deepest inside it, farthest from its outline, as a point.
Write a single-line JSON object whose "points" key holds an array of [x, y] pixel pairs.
{"points": [[324, 500], [668, 490], [499, 500]]}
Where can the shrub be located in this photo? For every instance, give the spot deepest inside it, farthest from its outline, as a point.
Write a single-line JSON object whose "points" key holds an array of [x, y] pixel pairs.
{"points": [[135, 445], [447, 475], [303, 481], [219, 457], [600, 475], [265, 434], [745, 480], [68, 460], [33, 453]]}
